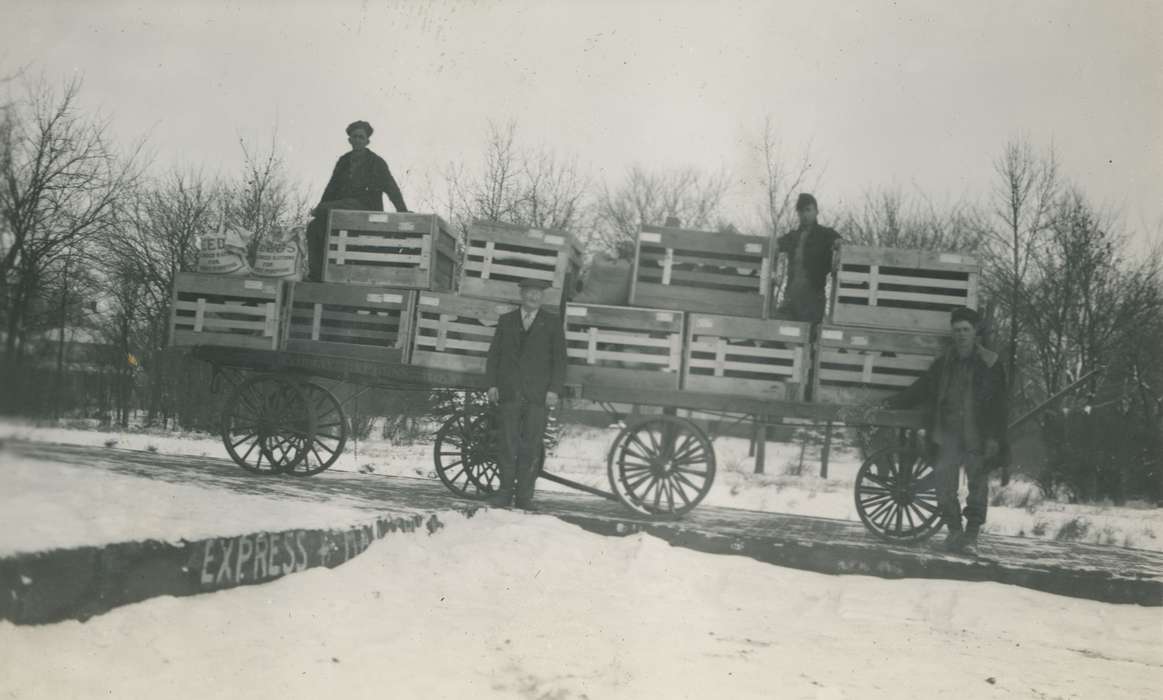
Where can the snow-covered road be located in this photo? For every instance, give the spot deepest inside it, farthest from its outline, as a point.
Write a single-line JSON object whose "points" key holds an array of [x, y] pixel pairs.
{"points": [[519, 606]]}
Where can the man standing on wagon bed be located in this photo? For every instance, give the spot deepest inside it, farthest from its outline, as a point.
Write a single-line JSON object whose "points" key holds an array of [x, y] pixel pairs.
{"points": [[525, 374], [809, 262], [966, 396], [358, 182]]}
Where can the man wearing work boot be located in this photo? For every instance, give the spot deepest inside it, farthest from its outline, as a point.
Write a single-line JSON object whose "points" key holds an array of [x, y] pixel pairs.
{"points": [[967, 398], [809, 262], [525, 373], [359, 181]]}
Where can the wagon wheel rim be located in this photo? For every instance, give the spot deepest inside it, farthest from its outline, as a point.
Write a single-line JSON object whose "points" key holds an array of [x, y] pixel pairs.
{"points": [[329, 436], [461, 457], [266, 423], [896, 495], [662, 467]]}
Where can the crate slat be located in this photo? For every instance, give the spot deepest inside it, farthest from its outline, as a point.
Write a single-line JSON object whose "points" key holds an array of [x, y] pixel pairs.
{"points": [[901, 289], [394, 250], [605, 346], [752, 357], [499, 255], [701, 271], [454, 332], [371, 323], [225, 311], [857, 365]]}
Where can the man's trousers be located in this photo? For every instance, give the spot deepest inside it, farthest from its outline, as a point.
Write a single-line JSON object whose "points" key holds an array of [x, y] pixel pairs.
{"points": [[952, 454], [522, 440]]}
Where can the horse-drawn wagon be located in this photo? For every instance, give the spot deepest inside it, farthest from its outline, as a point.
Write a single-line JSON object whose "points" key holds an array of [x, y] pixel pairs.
{"points": [[652, 368]]}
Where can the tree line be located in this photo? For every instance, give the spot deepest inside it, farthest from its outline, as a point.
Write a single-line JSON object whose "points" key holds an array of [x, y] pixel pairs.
{"points": [[91, 237]]}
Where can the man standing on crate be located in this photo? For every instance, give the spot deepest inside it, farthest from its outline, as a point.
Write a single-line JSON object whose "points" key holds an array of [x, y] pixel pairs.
{"points": [[359, 180], [809, 262], [967, 398], [525, 374]]}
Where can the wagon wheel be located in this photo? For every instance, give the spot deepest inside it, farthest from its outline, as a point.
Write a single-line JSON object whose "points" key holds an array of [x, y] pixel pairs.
{"points": [[465, 454], [662, 466], [896, 494], [267, 422], [330, 435]]}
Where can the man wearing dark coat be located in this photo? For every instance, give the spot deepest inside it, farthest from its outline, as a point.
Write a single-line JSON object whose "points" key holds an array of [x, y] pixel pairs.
{"points": [[358, 182], [966, 395], [525, 373], [809, 262]]}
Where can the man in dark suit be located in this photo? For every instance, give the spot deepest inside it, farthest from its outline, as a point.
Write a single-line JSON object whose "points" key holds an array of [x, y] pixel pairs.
{"points": [[358, 182], [525, 373], [966, 396], [809, 262]]}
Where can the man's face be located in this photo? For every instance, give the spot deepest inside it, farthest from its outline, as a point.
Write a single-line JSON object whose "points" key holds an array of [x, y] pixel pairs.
{"points": [[358, 139], [807, 215], [964, 337], [531, 298]]}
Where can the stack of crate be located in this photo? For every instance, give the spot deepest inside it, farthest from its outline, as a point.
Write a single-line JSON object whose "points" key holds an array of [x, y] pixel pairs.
{"points": [[720, 281], [225, 311], [453, 330], [889, 319]]}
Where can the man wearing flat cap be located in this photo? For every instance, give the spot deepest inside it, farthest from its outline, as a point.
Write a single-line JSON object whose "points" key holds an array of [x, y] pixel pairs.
{"points": [[809, 262], [966, 396], [359, 181], [525, 374]]}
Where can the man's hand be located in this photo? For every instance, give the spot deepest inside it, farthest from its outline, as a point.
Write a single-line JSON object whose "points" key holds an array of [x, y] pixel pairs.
{"points": [[551, 399], [494, 394], [991, 448]]}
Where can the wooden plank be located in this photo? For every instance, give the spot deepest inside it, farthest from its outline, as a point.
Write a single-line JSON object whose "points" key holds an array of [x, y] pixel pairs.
{"points": [[548, 238], [848, 278], [442, 360], [915, 320], [740, 350], [697, 278], [384, 221], [749, 328], [592, 377], [704, 241], [620, 356], [444, 343], [612, 317], [876, 297], [704, 300], [183, 337], [190, 283], [511, 271], [348, 257], [773, 389], [920, 343], [364, 352], [346, 295], [601, 335]]}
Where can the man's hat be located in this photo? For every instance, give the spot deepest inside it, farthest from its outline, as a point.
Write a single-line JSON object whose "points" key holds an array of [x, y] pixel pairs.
{"points": [[964, 313], [360, 125], [531, 283], [804, 201]]}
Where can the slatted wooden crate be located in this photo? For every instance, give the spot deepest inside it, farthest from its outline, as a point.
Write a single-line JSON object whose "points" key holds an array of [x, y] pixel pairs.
{"points": [[623, 346], [454, 332], [369, 323], [410, 251], [902, 289], [499, 255], [706, 271], [858, 365], [752, 357], [237, 312]]}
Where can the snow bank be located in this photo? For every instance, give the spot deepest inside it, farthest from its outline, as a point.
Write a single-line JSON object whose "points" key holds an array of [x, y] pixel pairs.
{"points": [[512, 605]]}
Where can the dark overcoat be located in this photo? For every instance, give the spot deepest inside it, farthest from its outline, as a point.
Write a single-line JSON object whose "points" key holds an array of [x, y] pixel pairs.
{"points": [[365, 185], [527, 364]]}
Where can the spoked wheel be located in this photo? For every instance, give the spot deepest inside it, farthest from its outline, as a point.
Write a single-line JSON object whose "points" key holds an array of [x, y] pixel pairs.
{"points": [[267, 424], [896, 495], [465, 454], [330, 435], [662, 466]]}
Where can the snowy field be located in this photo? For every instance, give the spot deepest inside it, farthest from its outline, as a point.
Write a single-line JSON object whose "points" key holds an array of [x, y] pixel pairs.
{"points": [[1017, 509], [525, 606]]}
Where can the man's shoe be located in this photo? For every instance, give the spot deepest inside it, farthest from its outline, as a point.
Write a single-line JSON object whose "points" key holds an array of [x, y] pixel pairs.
{"points": [[969, 542], [954, 541]]}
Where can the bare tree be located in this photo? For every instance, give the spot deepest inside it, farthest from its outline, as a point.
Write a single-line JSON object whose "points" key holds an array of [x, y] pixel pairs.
{"points": [[784, 177], [652, 198], [263, 197], [891, 218], [1023, 200], [61, 184]]}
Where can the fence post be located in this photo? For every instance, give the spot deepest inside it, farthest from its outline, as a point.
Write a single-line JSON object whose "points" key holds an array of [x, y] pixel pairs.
{"points": [[826, 451], [760, 447]]}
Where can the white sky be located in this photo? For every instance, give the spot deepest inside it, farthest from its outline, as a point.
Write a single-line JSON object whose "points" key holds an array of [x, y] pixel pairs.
{"points": [[915, 94]]}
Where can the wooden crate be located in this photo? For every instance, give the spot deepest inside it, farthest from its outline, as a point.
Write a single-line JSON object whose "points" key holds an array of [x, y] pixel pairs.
{"points": [[410, 251], [499, 255], [236, 312], [369, 323], [719, 273], [902, 289], [622, 345], [857, 365], [454, 332], [732, 355]]}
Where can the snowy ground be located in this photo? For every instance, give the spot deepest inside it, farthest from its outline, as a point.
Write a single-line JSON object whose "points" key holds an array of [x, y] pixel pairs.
{"points": [[525, 606], [1018, 509]]}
